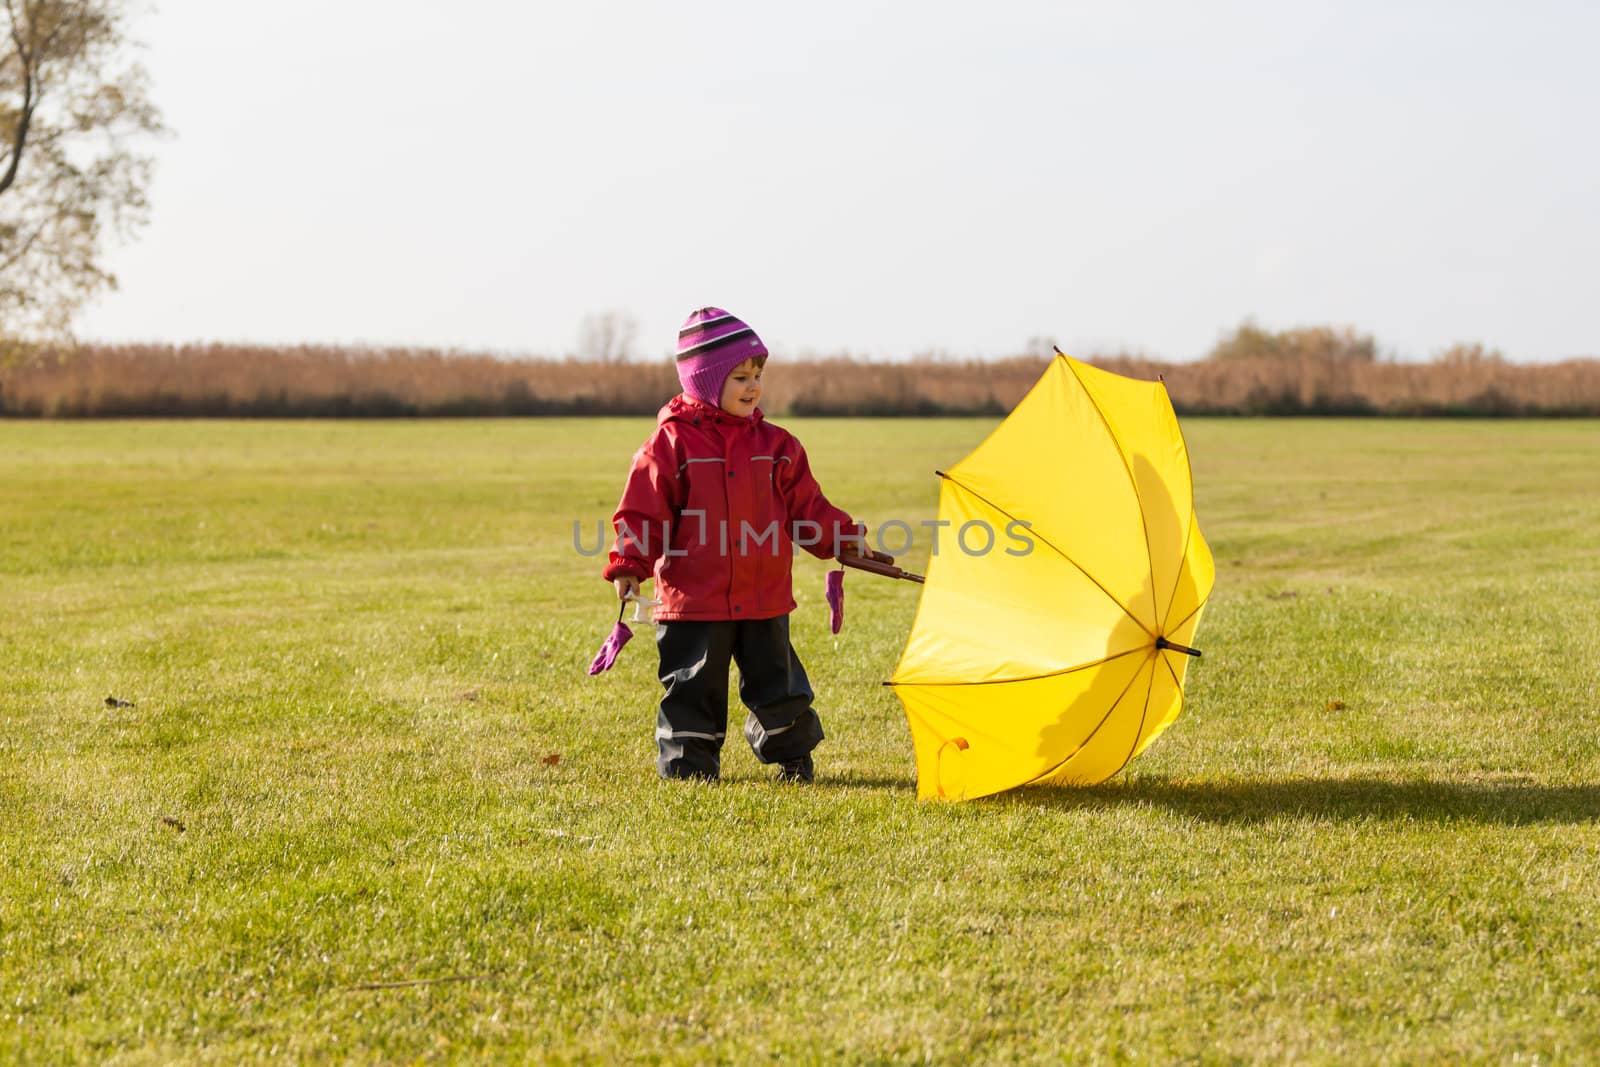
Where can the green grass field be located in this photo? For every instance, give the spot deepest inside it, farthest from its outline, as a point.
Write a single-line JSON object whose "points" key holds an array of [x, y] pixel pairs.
{"points": [[363, 751]]}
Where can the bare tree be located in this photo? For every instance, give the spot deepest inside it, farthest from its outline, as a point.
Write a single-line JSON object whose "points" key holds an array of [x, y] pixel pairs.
{"points": [[74, 105], [1040, 346], [607, 337]]}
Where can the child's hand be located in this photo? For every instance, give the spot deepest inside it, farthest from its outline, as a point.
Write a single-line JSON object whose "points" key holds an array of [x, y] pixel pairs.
{"points": [[626, 587], [858, 550]]}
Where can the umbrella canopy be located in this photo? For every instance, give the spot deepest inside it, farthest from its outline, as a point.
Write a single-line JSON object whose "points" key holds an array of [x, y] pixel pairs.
{"points": [[1055, 651]]}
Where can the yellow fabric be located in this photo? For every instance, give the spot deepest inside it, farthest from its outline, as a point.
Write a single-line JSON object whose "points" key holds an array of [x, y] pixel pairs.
{"points": [[1038, 662]]}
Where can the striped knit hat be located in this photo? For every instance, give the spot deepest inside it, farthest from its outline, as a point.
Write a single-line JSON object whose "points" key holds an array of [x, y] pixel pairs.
{"points": [[710, 344]]}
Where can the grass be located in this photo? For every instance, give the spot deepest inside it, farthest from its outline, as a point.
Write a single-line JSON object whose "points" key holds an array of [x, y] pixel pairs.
{"points": [[363, 751]]}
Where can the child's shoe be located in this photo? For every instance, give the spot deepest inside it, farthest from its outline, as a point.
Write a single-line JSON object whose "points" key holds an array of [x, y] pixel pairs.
{"points": [[797, 770]]}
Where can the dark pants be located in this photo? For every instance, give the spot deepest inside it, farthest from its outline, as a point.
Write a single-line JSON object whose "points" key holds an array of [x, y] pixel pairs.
{"points": [[694, 710]]}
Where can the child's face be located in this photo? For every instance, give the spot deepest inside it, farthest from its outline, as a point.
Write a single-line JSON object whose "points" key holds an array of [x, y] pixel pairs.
{"points": [[741, 391]]}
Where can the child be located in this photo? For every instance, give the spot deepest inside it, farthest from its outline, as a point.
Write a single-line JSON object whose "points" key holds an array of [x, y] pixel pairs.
{"points": [[715, 499]]}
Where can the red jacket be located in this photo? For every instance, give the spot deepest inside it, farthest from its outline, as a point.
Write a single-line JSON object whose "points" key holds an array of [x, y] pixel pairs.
{"points": [[713, 505]]}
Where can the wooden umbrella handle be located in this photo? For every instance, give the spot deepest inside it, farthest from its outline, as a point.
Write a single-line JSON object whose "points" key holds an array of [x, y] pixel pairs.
{"points": [[878, 563]]}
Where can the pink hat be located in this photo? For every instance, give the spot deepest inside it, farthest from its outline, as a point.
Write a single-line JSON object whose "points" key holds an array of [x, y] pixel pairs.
{"points": [[710, 344]]}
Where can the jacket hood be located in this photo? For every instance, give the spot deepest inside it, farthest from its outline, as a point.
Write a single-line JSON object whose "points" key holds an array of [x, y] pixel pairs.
{"points": [[685, 408]]}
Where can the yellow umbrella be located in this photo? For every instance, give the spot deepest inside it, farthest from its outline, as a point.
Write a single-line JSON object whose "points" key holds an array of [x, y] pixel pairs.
{"points": [[1055, 651]]}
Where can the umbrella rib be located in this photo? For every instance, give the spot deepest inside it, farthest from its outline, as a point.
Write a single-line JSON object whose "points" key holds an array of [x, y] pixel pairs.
{"points": [[1188, 535], [1033, 677], [1085, 743], [1055, 548], [1185, 557], [1179, 624], [1143, 715], [1175, 681], [1149, 553]]}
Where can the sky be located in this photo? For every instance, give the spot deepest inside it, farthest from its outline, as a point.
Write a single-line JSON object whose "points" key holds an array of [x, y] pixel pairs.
{"points": [[883, 179]]}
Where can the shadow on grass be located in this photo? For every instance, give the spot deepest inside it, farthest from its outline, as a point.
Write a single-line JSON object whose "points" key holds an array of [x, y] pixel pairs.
{"points": [[1339, 799]]}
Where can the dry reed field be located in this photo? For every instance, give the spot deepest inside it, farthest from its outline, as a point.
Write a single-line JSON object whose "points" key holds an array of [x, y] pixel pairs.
{"points": [[219, 380]]}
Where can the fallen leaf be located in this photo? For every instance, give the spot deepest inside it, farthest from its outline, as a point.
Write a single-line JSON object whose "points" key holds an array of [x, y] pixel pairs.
{"points": [[552, 759]]}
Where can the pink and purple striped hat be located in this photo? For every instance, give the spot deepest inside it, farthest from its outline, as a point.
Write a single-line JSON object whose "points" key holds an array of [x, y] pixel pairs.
{"points": [[710, 344]]}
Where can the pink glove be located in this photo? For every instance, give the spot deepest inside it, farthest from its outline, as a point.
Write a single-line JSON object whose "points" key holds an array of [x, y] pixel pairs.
{"points": [[620, 635], [835, 595]]}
